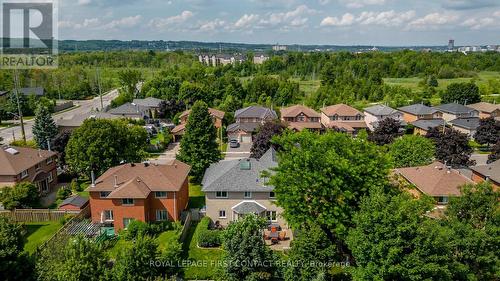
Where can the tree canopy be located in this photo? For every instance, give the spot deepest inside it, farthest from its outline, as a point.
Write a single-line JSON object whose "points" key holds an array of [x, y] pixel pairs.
{"points": [[452, 146], [14, 264], [386, 131], [21, 195], [262, 140], [44, 129], [488, 131], [411, 151], [462, 93]]}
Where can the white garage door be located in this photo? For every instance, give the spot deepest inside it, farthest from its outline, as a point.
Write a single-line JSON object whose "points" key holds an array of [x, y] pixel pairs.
{"points": [[246, 138]]}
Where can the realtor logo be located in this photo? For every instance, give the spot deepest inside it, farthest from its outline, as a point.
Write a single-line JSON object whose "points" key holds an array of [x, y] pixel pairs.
{"points": [[28, 34]]}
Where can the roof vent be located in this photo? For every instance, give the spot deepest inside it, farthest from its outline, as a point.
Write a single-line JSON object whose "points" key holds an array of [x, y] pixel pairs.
{"points": [[146, 163], [11, 150]]}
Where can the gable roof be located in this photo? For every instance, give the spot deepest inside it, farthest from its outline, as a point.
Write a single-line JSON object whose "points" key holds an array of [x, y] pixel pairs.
{"points": [[435, 179], [78, 119], [485, 107], [295, 110], [491, 170], [418, 109], [239, 175], [255, 111], [245, 127], [214, 112], [248, 207], [14, 160], [75, 200], [136, 179], [148, 102], [454, 108], [128, 109], [341, 110], [381, 110], [466, 123], [426, 124]]}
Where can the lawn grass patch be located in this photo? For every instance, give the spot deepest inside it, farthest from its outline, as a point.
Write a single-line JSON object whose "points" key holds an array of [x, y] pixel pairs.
{"points": [[196, 196], [39, 232]]}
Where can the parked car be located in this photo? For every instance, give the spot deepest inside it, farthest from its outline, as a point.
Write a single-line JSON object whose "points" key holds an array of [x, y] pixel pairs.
{"points": [[234, 144]]}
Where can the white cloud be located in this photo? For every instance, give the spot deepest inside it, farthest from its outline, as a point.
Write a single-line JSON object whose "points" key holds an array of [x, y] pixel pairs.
{"points": [[123, 22], [84, 2], [246, 21], [431, 21], [356, 4], [177, 19], [87, 23], [212, 25], [496, 14], [480, 23], [346, 20], [295, 18]]}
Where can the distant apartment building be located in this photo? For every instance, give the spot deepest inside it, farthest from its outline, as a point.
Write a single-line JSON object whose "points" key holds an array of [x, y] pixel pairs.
{"points": [[260, 58], [279, 47], [221, 59]]}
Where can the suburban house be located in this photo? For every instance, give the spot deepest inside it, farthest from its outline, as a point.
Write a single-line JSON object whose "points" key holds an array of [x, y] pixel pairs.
{"points": [[422, 126], [419, 111], [375, 114], [36, 91], [142, 191], [153, 104], [435, 180], [248, 119], [74, 203], [490, 172], [77, 120], [179, 130], [465, 125], [234, 188], [131, 110], [300, 117], [453, 111], [19, 164], [343, 118], [486, 109]]}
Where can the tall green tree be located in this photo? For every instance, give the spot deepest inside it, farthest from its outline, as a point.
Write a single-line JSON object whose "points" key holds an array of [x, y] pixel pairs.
{"points": [[44, 129], [462, 93], [246, 256], [394, 240], [411, 151], [199, 144], [13, 262], [79, 259], [21, 195], [321, 179], [134, 263], [100, 144], [128, 79]]}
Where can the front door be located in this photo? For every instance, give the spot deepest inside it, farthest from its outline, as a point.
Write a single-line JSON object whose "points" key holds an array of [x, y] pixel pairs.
{"points": [[43, 186]]}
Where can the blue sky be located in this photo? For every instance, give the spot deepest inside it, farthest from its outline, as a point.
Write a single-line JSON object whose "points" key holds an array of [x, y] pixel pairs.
{"points": [[336, 22]]}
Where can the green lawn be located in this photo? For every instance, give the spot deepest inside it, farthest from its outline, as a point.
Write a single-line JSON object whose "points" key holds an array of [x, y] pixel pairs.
{"points": [[37, 233], [120, 245], [208, 257], [308, 86], [163, 240], [196, 196]]}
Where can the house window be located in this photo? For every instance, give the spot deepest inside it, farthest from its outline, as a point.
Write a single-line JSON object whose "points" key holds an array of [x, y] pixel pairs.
{"points": [[442, 200], [272, 195], [301, 118], [126, 222], [221, 194], [108, 215], [24, 174], [248, 194], [49, 160], [161, 194], [50, 178], [38, 166], [104, 194], [161, 215], [271, 216], [222, 214], [128, 201], [334, 118]]}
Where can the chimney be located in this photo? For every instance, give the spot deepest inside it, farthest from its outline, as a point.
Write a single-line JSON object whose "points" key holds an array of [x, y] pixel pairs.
{"points": [[116, 181], [39, 153], [92, 177]]}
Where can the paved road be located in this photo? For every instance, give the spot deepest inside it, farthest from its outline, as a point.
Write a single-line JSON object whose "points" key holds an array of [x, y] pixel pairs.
{"points": [[84, 106]]}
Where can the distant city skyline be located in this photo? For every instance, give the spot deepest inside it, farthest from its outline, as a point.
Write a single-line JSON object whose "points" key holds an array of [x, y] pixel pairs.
{"points": [[322, 22]]}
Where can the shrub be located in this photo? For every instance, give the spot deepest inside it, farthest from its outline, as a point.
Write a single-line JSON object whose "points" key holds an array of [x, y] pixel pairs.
{"points": [[22, 194], [75, 186], [134, 229], [206, 237], [63, 193]]}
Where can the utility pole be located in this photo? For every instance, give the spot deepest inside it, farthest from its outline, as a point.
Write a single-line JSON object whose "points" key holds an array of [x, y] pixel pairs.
{"points": [[99, 85], [19, 111]]}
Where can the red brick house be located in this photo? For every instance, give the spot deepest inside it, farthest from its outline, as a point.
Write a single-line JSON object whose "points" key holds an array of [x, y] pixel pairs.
{"points": [[179, 130], [141, 191], [19, 164], [300, 117], [490, 172]]}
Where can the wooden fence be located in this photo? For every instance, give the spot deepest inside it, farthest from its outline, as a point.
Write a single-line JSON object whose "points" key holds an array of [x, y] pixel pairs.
{"points": [[36, 215], [185, 227]]}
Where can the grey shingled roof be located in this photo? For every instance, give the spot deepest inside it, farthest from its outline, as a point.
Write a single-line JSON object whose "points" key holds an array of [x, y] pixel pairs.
{"points": [[491, 170], [78, 119], [128, 109], [37, 91], [148, 102], [418, 109], [454, 108], [227, 175], [466, 123], [428, 124], [248, 207], [76, 200], [381, 110], [245, 127], [255, 112]]}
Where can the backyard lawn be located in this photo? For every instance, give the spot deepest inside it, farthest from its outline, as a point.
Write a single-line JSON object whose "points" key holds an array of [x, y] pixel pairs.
{"points": [[37, 233], [196, 196]]}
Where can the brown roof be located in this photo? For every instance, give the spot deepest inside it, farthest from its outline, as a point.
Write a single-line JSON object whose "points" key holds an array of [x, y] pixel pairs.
{"points": [[349, 126], [485, 107], [140, 178], [341, 110], [435, 179], [14, 160], [179, 129], [214, 112], [295, 110], [491, 171], [299, 126]]}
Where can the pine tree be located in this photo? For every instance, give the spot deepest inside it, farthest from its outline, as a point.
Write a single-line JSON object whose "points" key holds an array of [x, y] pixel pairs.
{"points": [[198, 145], [44, 129]]}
